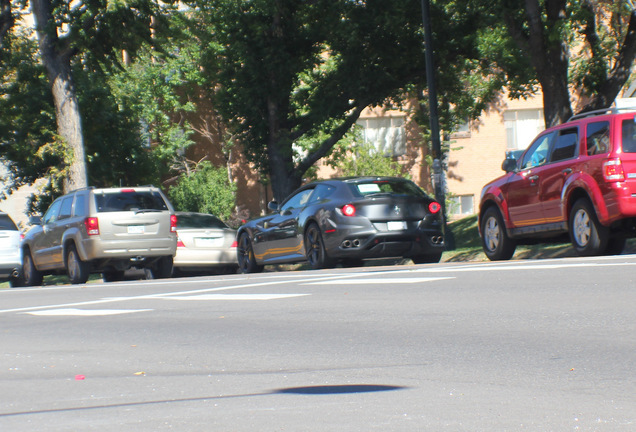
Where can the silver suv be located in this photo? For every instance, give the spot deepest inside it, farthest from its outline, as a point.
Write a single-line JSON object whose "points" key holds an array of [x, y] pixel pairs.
{"points": [[104, 231], [10, 257]]}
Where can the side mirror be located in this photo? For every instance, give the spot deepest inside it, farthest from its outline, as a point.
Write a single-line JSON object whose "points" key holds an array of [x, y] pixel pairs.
{"points": [[35, 220], [273, 206], [509, 165]]}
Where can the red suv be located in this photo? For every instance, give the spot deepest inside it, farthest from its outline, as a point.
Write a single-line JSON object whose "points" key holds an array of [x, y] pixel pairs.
{"points": [[576, 179]]}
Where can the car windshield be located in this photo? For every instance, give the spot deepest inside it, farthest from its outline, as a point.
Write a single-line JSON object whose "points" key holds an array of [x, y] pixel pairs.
{"points": [[390, 187], [129, 201], [185, 221], [6, 224]]}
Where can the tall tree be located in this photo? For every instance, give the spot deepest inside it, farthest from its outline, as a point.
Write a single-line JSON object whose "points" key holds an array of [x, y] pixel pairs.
{"points": [[586, 45], [291, 71], [56, 57], [99, 29]]}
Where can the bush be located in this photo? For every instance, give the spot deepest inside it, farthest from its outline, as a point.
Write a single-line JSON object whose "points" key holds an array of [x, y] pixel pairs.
{"points": [[206, 190]]}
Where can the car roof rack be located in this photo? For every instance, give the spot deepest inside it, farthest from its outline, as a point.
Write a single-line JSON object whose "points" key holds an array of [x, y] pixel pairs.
{"points": [[610, 110]]}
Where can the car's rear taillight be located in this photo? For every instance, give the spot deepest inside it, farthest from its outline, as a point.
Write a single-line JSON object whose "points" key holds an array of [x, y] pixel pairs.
{"points": [[92, 226], [349, 210], [434, 207], [234, 244], [180, 242], [613, 170], [173, 223]]}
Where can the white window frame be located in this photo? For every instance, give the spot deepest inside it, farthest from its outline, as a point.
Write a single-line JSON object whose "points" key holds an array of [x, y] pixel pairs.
{"points": [[522, 126], [387, 134]]}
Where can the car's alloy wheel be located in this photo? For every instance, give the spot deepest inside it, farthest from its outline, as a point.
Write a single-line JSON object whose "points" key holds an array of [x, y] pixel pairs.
{"points": [[32, 276], [495, 241], [588, 236], [315, 248], [245, 255], [77, 269]]}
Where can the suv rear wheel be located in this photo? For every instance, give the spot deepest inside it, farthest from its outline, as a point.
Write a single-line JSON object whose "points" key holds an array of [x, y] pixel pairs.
{"points": [[77, 269], [32, 276], [588, 236], [494, 238]]}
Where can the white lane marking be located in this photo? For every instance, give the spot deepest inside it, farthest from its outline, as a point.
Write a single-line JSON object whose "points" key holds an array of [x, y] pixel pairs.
{"points": [[377, 281], [517, 267], [85, 312], [232, 297]]}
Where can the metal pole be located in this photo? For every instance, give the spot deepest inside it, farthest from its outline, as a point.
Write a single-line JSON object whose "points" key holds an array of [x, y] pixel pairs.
{"points": [[438, 172]]}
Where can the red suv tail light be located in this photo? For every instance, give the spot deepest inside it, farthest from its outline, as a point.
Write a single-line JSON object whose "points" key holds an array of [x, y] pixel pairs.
{"points": [[180, 243], [613, 170], [434, 207], [92, 226], [349, 210]]}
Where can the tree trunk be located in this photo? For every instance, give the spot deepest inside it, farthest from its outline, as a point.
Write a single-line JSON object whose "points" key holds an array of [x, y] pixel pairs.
{"points": [[6, 18], [620, 72], [58, 65], [550, 58]]}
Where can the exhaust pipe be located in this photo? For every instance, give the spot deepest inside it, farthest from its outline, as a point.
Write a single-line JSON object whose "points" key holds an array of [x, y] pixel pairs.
{"points": [[346, 244], [356, 243], [437, 239]]}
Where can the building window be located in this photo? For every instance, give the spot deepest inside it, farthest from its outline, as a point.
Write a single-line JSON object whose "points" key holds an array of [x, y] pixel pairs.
{"points": [[387, 134], [461, 205], [461, 131], [522, 126]]}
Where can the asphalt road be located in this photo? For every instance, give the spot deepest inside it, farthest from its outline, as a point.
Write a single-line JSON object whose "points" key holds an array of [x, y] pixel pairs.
{"points": [[544, 345]]}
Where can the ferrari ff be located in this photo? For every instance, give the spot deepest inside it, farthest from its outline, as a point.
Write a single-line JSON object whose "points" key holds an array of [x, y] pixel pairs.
{"points": [[345, 221]]}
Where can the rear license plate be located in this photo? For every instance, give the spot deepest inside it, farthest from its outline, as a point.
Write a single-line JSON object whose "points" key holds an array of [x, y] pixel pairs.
{"points": [[396, 225], [208, 241], [135, 229]]}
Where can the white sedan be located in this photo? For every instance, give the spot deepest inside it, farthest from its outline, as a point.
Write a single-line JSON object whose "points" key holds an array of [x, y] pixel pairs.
{"points": [[205, 245]]}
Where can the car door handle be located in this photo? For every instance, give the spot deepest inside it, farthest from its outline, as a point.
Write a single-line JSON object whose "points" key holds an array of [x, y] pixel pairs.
{"points": [[533, 178], [567, 171]]}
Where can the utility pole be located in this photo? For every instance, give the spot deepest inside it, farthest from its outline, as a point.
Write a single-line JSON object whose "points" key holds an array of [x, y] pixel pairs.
{"points": [[438, 172]]}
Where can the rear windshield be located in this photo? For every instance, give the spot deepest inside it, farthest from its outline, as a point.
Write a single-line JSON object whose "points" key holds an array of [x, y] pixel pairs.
{"points": [[185, 221], [129, 201], [6, 224], [629, 136], [383, 187]]}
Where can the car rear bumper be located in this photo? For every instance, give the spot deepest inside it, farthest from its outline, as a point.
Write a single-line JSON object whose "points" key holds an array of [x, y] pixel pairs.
{"points": [[197, 258], [10, 266], [96, 249], [373, 244]]}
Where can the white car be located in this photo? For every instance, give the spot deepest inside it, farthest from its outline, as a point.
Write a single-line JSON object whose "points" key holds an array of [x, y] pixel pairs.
{"points": [[10, 253], [204, 245]]}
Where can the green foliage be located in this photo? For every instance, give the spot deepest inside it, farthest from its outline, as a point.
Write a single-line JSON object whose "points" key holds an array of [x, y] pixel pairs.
{"points": [[27, 118], [161, 90], [205, 190], [353, 157]]}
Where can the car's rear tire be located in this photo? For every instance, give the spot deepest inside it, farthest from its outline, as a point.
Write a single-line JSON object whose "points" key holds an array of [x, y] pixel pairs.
{"points": [[587, 234], [32, 276], [245, 255], [494, 238], [161, 269], [77, 270], [315, 248], [430, 258]]}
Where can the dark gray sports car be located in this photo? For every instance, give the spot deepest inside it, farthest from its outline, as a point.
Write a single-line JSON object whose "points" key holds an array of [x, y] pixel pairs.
{"points": [[345, 220]]}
